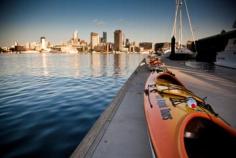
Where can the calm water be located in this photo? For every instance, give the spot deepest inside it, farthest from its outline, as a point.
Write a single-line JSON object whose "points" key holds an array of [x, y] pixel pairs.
{"points": [[49, 101]]}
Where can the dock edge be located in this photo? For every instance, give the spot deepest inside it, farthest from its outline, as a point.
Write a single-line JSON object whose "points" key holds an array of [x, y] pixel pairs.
{"points": [[88, 144]]}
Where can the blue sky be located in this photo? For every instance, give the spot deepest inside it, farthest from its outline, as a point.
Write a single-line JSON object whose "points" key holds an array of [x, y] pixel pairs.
{"points": [[141, 20]]}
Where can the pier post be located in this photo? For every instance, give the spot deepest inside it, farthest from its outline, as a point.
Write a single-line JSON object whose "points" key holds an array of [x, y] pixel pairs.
{"points": [[172, 54]]}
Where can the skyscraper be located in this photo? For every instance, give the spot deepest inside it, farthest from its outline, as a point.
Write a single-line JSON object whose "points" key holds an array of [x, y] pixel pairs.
{"points": [[118, 40], [75, 39], [104, 38], [94, 39], [75, 35], [127, 43], [43, 43]]}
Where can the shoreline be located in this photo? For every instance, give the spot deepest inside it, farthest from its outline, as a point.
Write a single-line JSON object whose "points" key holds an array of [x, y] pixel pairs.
{"points": [[59, 52]]}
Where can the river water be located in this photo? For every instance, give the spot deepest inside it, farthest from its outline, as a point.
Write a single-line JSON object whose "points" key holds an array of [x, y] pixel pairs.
{"points": [[49, 101]]}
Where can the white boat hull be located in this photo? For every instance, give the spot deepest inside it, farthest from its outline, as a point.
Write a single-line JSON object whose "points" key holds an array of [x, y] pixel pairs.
{"points": [[226, 59]]}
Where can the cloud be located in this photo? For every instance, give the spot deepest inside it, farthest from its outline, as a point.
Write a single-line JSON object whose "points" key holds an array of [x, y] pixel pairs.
{"points": [[99, 23], [121, 21]]}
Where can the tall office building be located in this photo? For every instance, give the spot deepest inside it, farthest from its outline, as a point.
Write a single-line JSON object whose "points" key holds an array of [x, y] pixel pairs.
{"points": [[43, 43], [94, 39], [75, 39], [118, 40], [146, 45], [104, 37], [127, 43], [27, 46], [75, 35]]}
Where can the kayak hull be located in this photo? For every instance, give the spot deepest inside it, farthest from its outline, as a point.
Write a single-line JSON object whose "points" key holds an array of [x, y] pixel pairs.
{"points": [[169, 125]]}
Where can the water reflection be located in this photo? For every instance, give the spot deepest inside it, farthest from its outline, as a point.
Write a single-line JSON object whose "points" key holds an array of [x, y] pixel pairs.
{"points": [[69, 65], [96, 64], [117, 63], [44, 66], [105, 61]]}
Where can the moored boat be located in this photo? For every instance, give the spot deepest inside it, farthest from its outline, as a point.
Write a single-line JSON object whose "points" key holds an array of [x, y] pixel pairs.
{"points": [[181, 124]]}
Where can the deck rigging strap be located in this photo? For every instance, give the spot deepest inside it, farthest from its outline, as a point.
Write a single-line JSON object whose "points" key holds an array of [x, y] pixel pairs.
{"points": [[177, 101], [203, 106]]}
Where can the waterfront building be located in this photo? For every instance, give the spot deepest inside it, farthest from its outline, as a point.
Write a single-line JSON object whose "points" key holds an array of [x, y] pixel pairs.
{"points": [[75, 35], [75, 39], [50, 45], [94, 40], [27, 46], [101, 47], [164, 46], [118, 40], [69, 49], [131, 48], [101, 39], [104, 37], [19, 48], [43, 43], [127, 43], [16, 43], [146, 45], [4, 49], [33, 45], [104, 47], [110, 46], [83, 46]]}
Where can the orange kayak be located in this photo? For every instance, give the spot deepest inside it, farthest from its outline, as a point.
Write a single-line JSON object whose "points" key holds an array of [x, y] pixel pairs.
{"points": [[181, 124], [155, 64], [154, 61]]}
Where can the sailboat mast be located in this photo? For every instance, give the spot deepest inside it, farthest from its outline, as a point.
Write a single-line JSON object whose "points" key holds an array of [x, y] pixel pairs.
{"points": [[177, 31], [180, 24], [180, 28], [175, 20], [190, 24]]}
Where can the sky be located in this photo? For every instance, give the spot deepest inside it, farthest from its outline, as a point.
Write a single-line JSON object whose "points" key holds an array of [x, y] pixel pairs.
{"points": [[140, 20]]}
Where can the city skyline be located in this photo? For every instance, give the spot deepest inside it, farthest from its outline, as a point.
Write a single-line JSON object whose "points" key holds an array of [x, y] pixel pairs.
{"points": [[151, 21]]}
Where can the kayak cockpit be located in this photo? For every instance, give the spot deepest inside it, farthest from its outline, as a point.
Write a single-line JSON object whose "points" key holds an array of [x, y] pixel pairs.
{"points": [[166, 78], [204, 138]]}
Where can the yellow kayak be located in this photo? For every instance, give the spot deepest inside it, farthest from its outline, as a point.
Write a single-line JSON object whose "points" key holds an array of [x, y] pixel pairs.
{"points": [[181, 124]]}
